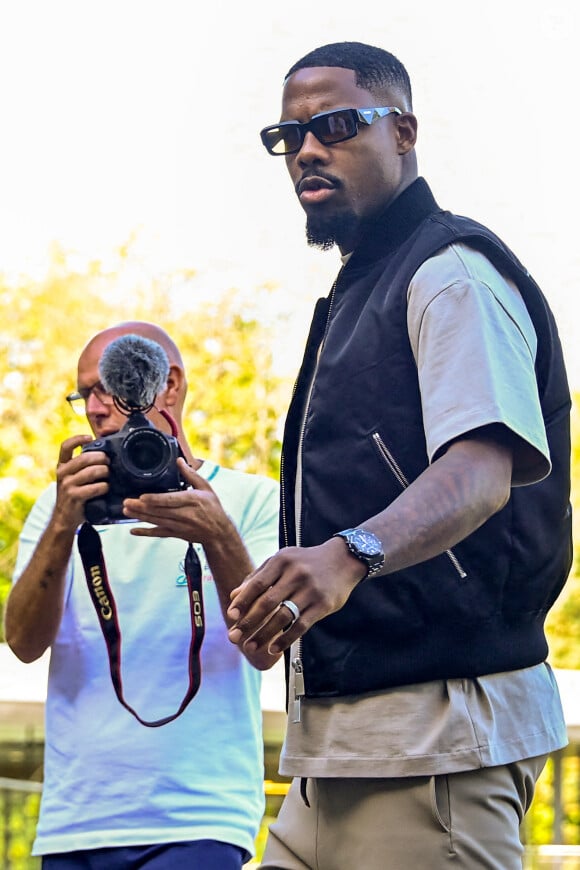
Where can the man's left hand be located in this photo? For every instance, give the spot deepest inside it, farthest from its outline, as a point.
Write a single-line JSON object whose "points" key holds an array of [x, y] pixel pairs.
{"points": [[194, 514]]}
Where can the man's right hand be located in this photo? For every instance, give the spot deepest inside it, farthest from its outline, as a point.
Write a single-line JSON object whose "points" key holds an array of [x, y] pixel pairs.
{"points": [[79, 477]]}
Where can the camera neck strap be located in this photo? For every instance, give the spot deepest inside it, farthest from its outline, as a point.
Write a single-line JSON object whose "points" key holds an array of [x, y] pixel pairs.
{"points": [[91, 552]]}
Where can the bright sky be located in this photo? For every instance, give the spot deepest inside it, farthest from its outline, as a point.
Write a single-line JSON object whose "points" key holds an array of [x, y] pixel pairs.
{"points": [[132, 116]]}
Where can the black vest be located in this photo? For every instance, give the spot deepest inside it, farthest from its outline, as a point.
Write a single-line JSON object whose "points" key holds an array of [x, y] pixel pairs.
{"points": [[475, 610]]}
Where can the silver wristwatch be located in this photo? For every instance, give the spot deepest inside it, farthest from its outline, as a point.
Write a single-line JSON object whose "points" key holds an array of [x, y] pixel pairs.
{"points": [[366, 547]]}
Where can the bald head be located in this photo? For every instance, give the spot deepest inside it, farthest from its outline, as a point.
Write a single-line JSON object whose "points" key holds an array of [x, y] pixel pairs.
{"points": [[105, 418], [136, 327]]}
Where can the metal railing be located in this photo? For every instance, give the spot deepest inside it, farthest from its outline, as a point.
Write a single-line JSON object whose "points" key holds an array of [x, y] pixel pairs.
{"points": [[552, 857]]}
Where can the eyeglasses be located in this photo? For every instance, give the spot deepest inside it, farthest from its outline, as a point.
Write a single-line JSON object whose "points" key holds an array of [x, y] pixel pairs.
{"points": [[78, 400], [328, 127]]}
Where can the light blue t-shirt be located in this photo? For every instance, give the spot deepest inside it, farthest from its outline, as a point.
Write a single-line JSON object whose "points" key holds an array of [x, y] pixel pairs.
{"points": [[110, 781]]}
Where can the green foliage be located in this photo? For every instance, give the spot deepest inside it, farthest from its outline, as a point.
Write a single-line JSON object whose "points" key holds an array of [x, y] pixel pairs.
{"points": [[563, 630], [234, 401], [540, 821], [563, 627], [13, 510], [18, 818], [563, 624]]}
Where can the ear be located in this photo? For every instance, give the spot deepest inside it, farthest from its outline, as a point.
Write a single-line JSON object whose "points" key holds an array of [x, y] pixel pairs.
{"points": [[175, 384], [406, 127]]}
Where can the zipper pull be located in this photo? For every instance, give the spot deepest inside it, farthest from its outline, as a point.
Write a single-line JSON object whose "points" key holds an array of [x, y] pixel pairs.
{"points": [[299, 690]]}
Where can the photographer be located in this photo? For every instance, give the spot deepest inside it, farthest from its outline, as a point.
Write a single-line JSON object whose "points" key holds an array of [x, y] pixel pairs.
{"points": [[118, 794]]}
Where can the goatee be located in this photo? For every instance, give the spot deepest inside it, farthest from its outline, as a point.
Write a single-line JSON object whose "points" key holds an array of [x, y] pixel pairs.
{"points": [[326, 231]]}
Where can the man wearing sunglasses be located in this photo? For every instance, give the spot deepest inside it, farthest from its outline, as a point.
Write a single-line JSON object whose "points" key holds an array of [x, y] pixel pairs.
{"points": [[118, 795], [425, 518]]}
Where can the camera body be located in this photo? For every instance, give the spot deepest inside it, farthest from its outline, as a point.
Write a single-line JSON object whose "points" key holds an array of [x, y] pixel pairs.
{"points": [[142, 459]]}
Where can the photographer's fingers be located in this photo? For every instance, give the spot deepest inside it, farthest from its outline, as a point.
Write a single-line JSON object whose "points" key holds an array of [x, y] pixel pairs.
{"points": [[191, 476], [78, 479], [160, 527], [158, 507], [68, 447], [169, 514], [82, 468], [189, 514], [155, 532]]}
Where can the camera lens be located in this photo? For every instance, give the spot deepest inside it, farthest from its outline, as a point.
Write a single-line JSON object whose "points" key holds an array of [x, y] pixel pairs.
{"points": [[146, 453]]}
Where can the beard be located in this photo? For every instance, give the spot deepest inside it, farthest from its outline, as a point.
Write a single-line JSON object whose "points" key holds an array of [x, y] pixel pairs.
{"points": [[325, 231]]}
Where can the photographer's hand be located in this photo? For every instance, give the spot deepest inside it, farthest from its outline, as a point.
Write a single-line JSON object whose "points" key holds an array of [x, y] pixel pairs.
{"points": [[78, 478], [197, 515], [35, 604], [194, 514]]}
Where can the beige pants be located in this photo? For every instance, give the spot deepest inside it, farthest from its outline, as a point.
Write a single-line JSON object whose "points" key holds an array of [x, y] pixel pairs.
{"points": [[463, 820]]}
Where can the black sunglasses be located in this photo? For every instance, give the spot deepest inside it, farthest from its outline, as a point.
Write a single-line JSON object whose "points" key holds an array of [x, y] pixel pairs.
{"points": [[328, 127]]}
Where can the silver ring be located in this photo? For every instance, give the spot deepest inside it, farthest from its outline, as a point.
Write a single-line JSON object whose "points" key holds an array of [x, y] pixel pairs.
{"points": [[294, 610]]}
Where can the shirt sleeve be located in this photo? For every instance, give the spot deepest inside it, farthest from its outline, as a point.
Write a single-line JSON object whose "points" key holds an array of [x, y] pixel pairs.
{"points": [[475, 346]]}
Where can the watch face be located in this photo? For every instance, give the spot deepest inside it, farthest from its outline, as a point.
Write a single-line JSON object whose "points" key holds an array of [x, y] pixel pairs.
{"points": [[366, 543]]}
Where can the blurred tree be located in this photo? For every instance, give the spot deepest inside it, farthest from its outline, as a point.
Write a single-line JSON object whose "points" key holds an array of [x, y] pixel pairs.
{"points": [[234, 402], [563, 624]]}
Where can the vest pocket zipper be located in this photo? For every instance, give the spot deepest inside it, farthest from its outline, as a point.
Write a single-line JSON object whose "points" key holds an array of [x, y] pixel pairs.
{"points": [[401, 479]]}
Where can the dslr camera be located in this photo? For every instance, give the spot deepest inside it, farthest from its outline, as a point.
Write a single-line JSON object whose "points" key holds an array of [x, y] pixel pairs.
{"points": [[142, 459]]}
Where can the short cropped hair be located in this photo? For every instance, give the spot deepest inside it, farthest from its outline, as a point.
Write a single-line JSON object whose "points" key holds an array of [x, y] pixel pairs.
{"points": [[375, 69]]}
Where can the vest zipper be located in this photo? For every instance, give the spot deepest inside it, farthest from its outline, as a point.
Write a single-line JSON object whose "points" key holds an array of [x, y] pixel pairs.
{"points": [[307, 406], [299, 689], [404, 483]]}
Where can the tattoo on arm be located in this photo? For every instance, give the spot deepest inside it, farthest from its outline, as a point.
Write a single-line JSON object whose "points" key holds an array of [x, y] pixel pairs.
{"points": [[46, 580]]}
